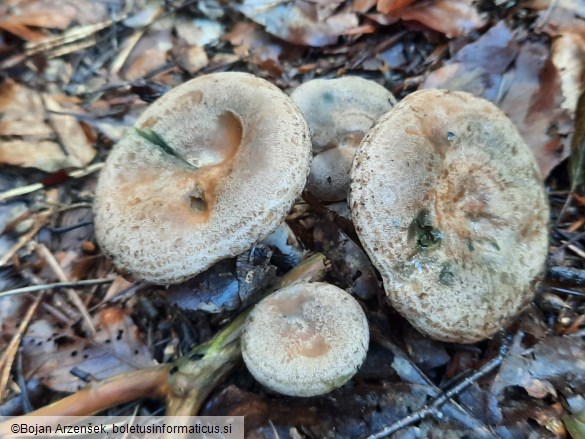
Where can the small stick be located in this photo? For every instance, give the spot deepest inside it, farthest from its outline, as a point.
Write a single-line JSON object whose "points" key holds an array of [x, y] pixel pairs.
{"points": [[28, 189], [575, 276], [69, 284], [410, 373], [7, 357], [431, 409], [40, 220], [45, 254]]}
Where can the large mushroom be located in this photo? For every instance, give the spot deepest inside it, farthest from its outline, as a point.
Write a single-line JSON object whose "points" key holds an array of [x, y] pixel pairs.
{"points": [[339, 113], [209, 169], [306, 339], [448, 202]]}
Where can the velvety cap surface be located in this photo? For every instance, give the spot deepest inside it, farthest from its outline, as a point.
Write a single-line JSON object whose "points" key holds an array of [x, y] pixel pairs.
{"points": [[209, 169], [306, 339], [447, 200]]}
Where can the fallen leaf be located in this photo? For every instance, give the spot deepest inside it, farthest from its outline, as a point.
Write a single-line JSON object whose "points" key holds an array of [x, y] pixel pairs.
{"points": [[298, 22], [228, 285], [50, 353], [27, 140], [189, 58], [70, 133], [149, 55], [523, 81], [250, 41], [577, 160], [200, 31], [453, 18], [16, 16], [363, 6], [533, 102], [555, 364], [478, 67], [392, 6]]}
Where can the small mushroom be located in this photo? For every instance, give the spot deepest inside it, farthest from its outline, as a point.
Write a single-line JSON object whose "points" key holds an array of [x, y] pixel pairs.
{"points": [[448, 203], [339, 113], [306, 339], [209, 169]]}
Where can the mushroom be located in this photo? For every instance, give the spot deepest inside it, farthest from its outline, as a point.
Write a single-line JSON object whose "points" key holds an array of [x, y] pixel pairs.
{"points": [[306, 339], [339, 113], [209, 169], [447, 200]]}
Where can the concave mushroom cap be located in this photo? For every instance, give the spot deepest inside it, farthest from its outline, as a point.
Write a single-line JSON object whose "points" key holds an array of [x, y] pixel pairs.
{"points": [[306, 339], [448, 202], [339, 113], [209, 169]]}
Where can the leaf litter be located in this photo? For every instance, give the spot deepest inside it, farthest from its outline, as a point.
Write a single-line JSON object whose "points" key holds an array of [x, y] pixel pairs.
{"points": [[75, 76]]}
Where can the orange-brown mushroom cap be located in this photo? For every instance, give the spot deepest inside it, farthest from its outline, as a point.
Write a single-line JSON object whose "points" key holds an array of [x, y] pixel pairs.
{"points": [[306, 339], [448, 202], [209, 169]]}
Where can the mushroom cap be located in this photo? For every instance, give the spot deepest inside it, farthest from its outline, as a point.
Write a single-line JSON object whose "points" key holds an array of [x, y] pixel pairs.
{"points": [[306, 339], [448, 202], [339, 113], [209, 169]]}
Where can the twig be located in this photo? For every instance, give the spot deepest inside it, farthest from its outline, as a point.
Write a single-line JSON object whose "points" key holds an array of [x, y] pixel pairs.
{"points": [[410, 373], [431, 409], [575, 276], [7, 357], [39, 221], [45, 254], [566, 291], [71, 284], [98, 396], [543, 20], [28, 189]]}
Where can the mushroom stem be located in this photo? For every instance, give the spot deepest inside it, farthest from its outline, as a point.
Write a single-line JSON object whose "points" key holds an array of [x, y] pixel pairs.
{"points": [[185, 383]]}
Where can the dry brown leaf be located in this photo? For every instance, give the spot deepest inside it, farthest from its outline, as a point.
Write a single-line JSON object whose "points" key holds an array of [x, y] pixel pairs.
{"points": [[17, 15], [478, 67], [250, 40], [568, 53], [26, 139], [21, 31], [200, 31], [555, 364], [533, 102], [392, 6], [299, 22], [450, 17], [51, 353], [363, 6], [524, 83], [568, 48], [148, 55], [190, 58], [70, 134]]}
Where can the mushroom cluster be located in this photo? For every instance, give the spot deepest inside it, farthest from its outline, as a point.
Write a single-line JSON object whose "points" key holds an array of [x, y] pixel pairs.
{"points": [[447, 200], [209, 169], [445, 197]]}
